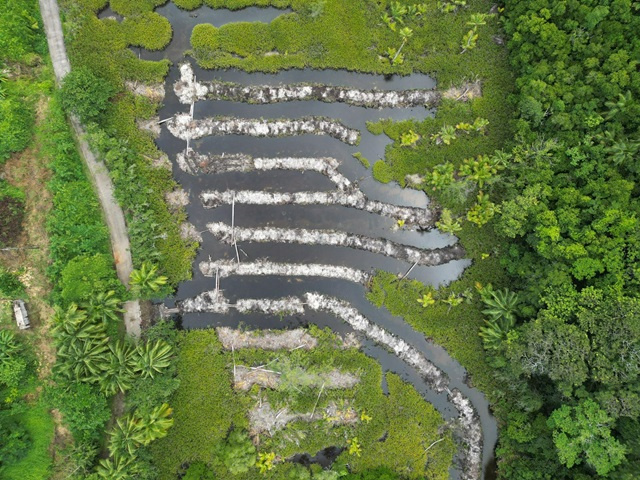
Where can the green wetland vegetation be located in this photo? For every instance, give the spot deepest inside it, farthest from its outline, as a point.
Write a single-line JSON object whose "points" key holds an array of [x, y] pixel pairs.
{"points": [[536, 173]]}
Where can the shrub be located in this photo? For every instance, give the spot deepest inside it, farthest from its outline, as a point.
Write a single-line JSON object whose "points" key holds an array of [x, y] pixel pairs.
{"points": [[188, 4], [14, 442], [382, 172], [10, 284], [204, 38], [238, 453], [245, 39], [198, 471], [132, 7], [20, 30], [84, 409], [148, 30], [85, 276], [16, 126], [85, 94]]}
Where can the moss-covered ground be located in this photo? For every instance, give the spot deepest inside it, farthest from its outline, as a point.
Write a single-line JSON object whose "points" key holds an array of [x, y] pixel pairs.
{"points": [[393, 430]]}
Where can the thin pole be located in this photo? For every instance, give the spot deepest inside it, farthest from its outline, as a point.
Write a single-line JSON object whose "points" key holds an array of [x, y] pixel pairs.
{"points": [[317, 400], [409, 271], [233, 232]]}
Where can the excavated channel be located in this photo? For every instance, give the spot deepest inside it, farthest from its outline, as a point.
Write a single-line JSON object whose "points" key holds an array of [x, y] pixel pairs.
{"points": [[316, 217]]}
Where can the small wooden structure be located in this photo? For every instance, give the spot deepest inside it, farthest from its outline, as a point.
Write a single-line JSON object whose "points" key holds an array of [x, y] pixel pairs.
{"points": [[20, 312]]}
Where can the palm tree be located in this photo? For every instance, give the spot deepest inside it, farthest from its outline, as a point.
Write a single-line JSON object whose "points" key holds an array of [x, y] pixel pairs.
{"points": [[3, 79], [115, 468], [495, 332], [501, 304], [85, 360], [146, 281], [483, 210], [125, 436], [153, 358], [426, 300], [118, 374], [447, 223], [82, 346], [620, 106], [104, 307], [441, 176], [77, 330], [157, 424], [133, 430], [478, 19], [406, 33], [446, 135], [623, 151], [398, 11], [64, 318], [453, 300]]}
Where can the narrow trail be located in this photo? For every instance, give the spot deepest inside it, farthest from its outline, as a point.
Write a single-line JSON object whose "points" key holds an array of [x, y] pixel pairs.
{"points": [[113, 214]]}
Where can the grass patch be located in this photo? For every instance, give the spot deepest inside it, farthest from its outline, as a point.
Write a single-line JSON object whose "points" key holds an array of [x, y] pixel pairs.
{"points": [[36, 465], [364, 161]]}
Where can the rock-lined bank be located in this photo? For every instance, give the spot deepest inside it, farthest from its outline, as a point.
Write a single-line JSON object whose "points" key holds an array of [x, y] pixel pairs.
{"points": [[183, 126], [226, 268], [196, 163], [189, 90], [301, 236], [409, 216]]}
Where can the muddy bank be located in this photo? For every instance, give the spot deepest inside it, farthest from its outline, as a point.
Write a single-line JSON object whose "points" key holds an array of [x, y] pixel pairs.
{"points": [[184, 127], [409, 216], [246, 377], [226, 268], [189, 90], [470, 430], [196, 163], [263, 419], [288, 339], [380, 246]]}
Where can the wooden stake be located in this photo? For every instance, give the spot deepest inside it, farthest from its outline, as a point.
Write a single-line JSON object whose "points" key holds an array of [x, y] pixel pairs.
{"points": [[317, 400], [233, 356], [437, 441], [409, 271], [233, 232]]}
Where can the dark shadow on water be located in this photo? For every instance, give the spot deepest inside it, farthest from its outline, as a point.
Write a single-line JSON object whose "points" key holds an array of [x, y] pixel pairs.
{"points": [[324, 458]]}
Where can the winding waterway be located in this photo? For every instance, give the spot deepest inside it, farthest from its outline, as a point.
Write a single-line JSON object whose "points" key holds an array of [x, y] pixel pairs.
{"points": [[307, 216]]}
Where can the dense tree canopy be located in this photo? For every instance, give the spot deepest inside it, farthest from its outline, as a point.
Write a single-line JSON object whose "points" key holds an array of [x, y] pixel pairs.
{"points": [[569, 215]]}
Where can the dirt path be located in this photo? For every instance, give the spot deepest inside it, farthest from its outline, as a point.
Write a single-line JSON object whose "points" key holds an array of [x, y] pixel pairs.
{"points": [[100, 176]]}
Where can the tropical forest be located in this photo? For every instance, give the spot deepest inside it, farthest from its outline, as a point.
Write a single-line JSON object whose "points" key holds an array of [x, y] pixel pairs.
{"points": [[319, 239]]}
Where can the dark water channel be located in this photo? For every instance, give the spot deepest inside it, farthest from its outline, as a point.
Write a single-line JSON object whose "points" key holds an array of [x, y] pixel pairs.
{"points": [[311, 217]]}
